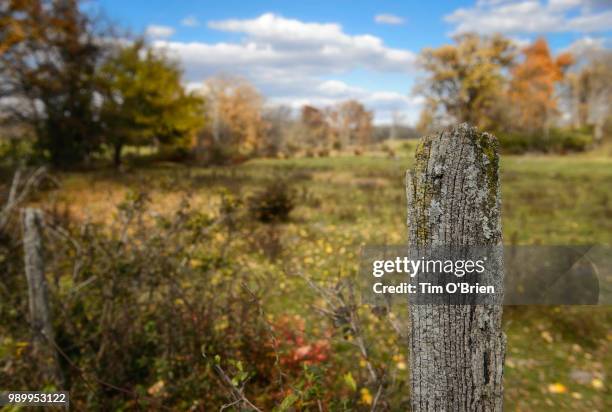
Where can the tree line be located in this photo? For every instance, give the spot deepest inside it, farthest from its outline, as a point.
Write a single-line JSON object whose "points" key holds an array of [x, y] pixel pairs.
{"points": [[239, 123], [78, 90], [487, 81]]}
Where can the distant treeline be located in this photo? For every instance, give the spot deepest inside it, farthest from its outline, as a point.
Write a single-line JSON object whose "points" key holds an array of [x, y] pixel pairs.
{"points": [[72, 90], [531, 99]]}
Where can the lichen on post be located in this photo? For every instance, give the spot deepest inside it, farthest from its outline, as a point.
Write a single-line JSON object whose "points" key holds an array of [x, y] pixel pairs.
{"points": [[456, 351]]}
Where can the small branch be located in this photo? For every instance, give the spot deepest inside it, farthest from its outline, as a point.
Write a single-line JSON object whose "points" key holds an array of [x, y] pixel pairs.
{"points": [[17, 196], [376, 398], [344, 312], [237, 393]]}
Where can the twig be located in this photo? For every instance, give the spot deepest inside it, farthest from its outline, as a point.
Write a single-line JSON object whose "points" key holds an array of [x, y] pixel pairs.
{"points": [[227, 381], [376, 398], [16, 196], [341, 308]]}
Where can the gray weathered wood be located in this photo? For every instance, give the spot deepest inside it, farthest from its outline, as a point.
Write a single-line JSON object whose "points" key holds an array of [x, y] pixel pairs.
{"points": [[456, 352], [38, 300]]}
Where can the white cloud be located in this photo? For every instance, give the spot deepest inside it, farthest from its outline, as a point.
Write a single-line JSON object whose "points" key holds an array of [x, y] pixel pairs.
{"points": [[272, 27], [190, 21], [531, 16], [293, 42], [292, 61], [337, 88], [586, 45], [563, 4], [159, 32], [388, 19], [591, 22], [283, 80]]}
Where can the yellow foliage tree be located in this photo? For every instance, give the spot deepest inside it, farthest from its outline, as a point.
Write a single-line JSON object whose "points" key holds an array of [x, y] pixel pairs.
{"points": [[464, 80], [235, 110]]}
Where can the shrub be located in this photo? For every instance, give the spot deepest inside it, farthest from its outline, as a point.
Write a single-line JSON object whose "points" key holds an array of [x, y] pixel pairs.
{"points": [[557, 141], [138, 302], [274, 203], [220, 155], [570, 140], [13, 151], [514, 143], [175, 153], [323, 152], [270, 150], [390, 152]]}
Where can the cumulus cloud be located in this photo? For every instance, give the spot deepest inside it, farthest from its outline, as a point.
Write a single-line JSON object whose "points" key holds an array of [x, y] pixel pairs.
{"points": [[190, 21], [159, 32], [291, 61], [586, 46], [531, 16], [388, 19], [314, 44]]}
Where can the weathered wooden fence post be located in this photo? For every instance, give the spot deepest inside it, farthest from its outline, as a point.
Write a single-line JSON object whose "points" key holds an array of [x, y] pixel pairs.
{"points": [[40, 314], [456, 351]]}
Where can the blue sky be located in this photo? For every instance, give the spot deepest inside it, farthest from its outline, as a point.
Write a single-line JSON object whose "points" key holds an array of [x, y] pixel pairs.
{"points": [[321, 52]]}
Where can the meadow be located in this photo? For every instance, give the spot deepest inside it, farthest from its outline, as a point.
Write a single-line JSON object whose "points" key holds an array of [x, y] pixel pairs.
{"points": [[558, 358]]}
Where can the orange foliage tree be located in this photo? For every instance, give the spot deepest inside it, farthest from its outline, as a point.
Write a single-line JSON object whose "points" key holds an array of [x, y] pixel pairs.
{"points": [[316, 130], [355, 122], [532, 88], [347, 122]]}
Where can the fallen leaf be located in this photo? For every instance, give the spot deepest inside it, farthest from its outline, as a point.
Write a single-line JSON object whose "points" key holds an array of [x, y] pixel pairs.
{"points": [[557, 388], [547, 336], [597, 383]]}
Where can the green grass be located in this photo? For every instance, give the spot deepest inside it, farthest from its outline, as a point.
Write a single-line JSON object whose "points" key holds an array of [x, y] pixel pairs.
{"points": [[349, 201]]}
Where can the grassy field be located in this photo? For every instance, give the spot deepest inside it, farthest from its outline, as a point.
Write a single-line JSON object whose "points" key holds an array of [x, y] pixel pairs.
{"points": [[558, 357]]}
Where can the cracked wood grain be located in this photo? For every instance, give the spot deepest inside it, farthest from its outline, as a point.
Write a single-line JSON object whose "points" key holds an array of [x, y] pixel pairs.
{"points": [[456, 352]]}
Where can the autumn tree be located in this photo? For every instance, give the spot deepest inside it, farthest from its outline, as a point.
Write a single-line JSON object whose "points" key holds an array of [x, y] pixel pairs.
{"points": [[427, 118], [48, 57], [578, 87], [355, 123], [279, 124], [144, 101], [590, 93], [464, 80], [315, 126], [235, 108], [532, 88]]}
